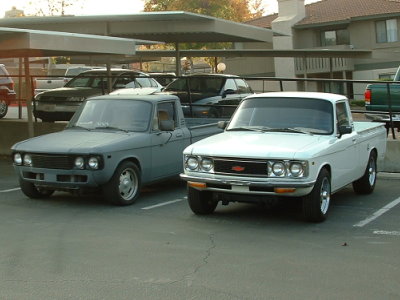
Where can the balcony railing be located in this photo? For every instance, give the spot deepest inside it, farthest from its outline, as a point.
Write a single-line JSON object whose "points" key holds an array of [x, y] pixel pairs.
{"points": [[313, 65]]}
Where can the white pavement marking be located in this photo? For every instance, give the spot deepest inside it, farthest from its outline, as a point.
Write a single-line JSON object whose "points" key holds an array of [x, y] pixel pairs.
{"points": [[162, 204], [378, 213], [10, 190], [384, 232]]}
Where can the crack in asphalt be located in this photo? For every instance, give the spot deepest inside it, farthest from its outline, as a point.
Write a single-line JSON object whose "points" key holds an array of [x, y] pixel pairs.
{"points": [[187, 277]]}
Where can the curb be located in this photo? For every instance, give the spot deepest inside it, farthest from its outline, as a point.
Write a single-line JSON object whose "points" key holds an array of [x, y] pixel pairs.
{"points": [[388, 175]]}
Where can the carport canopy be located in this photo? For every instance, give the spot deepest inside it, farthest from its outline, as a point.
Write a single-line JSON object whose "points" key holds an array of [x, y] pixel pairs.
{"points": [[16, 42], [25, 43]]}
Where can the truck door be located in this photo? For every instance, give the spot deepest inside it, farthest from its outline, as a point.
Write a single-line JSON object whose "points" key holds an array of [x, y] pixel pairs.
{"points": [[346, 161], [167, 146]]}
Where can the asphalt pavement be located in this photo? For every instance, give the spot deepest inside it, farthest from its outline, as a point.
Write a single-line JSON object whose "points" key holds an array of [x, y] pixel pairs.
{"points": [[80, 247]]}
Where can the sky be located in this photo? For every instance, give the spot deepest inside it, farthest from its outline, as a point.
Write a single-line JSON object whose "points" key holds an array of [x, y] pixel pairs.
{"points": [[92, 7]]}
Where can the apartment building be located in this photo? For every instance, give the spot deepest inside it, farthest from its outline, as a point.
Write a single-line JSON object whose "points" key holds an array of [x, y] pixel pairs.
{"points": [[329, 24]]}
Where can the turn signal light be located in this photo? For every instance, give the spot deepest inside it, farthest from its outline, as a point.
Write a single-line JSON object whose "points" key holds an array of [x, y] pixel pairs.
{"points": [[198, 185], [284, 190]]}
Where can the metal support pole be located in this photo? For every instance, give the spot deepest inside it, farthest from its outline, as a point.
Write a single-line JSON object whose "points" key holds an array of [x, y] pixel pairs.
{"points": [[390, 109], [19, 88], [177, 60], [331, 74], [305, 73], [28, 88]]}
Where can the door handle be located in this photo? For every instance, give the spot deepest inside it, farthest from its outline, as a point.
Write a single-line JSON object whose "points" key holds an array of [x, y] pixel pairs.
{"points": [[179, 135]]}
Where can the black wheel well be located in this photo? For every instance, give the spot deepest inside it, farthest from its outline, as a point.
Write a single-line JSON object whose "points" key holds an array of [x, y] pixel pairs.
{"points": [[328, 168], [375, 151], [134, 160]]}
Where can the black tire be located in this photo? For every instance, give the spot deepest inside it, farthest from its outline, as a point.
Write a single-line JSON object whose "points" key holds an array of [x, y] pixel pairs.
{"points": [[3, 108], [124, 186], [366, 184], [201, 202], [316, 204], [34, 192]]}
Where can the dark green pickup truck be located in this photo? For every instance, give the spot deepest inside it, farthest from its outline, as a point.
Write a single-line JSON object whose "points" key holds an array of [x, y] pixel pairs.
{"points": [[384, 97]]}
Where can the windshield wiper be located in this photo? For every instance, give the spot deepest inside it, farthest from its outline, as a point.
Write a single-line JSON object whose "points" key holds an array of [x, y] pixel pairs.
{"points": [[79, 127], [245, 129], [111, 128], [288, 129]]}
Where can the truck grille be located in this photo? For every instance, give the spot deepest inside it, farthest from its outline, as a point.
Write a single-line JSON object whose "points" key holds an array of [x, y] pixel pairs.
{"points": [[62, 162], [241, 167], [51, 99]]}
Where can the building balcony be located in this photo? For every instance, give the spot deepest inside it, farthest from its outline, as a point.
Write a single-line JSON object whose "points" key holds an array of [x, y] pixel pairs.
{"points": [[318, 65]]}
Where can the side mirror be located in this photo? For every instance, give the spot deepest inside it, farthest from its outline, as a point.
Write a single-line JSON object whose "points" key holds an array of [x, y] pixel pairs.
{"points": [[166, 125], [344, 129], [222, 124]]}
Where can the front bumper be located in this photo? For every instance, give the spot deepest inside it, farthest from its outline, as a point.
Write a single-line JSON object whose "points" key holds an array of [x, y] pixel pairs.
{"points": [[250, 185], [61, 179]]}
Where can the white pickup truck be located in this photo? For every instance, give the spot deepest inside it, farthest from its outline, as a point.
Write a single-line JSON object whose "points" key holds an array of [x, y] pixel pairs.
{"points": [[285, 144]]}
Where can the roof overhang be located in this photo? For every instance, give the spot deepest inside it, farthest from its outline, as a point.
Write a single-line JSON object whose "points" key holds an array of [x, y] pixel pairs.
{"points": [[169, 27], [36, 43]]}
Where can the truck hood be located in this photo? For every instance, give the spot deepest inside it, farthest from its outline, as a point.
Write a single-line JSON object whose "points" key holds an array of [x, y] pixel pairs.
{"points": [[259, 145], [75, 141]]}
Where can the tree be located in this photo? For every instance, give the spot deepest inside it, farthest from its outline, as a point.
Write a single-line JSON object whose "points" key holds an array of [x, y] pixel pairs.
{"points": [[234, 10], [52, 7]]}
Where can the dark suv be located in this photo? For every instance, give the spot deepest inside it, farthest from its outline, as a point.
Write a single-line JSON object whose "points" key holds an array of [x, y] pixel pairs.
{"points": [[7, 93], [209, 95], [60, 104]]}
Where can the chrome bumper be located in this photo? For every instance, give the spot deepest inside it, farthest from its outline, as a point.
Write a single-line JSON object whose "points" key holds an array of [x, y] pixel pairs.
{"points": [[258, 186]]}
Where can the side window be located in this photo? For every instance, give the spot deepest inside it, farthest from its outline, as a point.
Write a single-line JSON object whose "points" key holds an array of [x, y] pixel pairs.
{"points": [[230, 85], [341, 114], [242, 86], [165, 111]]}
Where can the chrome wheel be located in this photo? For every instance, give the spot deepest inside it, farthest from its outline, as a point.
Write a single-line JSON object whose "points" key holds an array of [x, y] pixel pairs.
{"points": [[128, 184], [372, 171], [325, 195]]}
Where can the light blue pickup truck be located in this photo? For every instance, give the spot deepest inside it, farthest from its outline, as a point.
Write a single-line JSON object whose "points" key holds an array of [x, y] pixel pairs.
{"points": [[114, 143]]}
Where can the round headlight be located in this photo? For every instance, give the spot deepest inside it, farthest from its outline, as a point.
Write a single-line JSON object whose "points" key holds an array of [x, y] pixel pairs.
{"points": [[27, 160], [79, 163], [207, 164], [192, 163], [93, 163], [278, 169], [296, 169], [18, 158]]}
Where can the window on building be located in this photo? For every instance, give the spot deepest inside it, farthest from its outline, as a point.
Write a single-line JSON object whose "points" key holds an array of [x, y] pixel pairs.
{"points": [[387, 76], [386, 31], [335, 37]]}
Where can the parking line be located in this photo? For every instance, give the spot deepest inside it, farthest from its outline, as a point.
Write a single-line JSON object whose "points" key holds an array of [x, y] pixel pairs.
{"points": [[378, 213], [162, 204], [10, 190]]}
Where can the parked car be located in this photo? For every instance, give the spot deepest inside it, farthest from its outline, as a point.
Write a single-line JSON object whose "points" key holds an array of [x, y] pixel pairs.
{"points": [[114, 144], [140, 87], [200, 94], [42, 84], [7, 93], [286, 144], [60, 104], [163, 78]]}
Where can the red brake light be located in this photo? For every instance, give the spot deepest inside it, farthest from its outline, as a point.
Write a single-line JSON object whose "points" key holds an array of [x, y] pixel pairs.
{"points": [[367, 96]]}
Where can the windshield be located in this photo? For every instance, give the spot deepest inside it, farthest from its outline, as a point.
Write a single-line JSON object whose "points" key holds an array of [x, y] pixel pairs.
{"points": [[125, 115], [204, 85], [284, 114]]}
